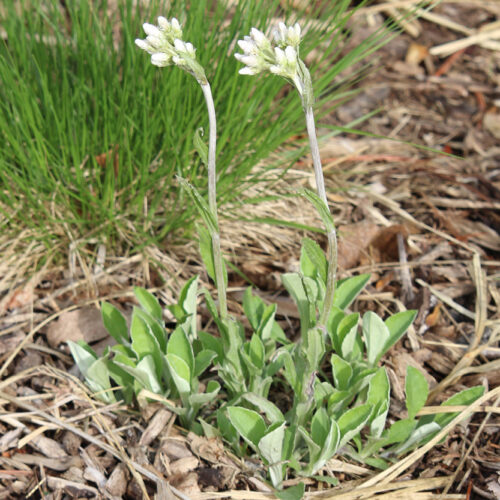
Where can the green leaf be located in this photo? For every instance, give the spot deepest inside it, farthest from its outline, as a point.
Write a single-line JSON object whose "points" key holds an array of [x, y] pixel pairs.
{"points": [[200, 146], [155, 327], [252, 306], [313, 448], [295, 287], [352, 421], [342, 372], [144, 373], [249, 424], [273, 413], [328, 447], [399, 431], [465, 398], [180, 372], [144, 341], [293, 493], [312, 260], [122, 378], [270, 448], [397, 325], [322, 209], [376, 335], [202, 361], [83, 355], [378, 397], [149, 303], [256, 351], [207, 397], [206, 250], [201, 205], [347, 290], [315, 348], [320, 425], [98, 379], [179, 345], [417, 436], [346, 334], [416, 389], [187, 300], [115, 323], [211, 343], [290, 371]]}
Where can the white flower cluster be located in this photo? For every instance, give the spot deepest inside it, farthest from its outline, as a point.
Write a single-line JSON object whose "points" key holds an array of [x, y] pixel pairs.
{"points": [[282, 58], [260, 55], [164, 43]]}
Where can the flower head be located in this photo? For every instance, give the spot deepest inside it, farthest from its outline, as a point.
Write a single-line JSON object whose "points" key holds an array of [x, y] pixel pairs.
{"points": [[164, 43], [257, 53], [282, 58], [287, 36]]}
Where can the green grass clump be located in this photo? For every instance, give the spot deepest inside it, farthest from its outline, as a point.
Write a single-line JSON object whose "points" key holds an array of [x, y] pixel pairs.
{"points": [[70, 83]]}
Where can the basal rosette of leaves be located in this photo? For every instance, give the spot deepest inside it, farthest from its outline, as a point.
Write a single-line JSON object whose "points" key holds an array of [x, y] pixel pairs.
{"points": [[231, 384], [293, 404]]}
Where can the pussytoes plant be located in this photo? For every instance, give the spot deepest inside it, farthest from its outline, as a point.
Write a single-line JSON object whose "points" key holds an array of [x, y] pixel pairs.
{"points": [[230, 383]]}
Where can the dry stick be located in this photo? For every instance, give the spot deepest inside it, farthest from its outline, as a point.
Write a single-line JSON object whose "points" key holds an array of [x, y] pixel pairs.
{"points": [[91, 439], [450, 47]]}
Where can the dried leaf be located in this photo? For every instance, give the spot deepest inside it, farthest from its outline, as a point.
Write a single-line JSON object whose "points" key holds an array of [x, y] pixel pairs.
{"points": [[82, 324]]}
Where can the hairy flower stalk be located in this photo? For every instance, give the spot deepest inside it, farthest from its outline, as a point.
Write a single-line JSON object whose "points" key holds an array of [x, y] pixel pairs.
{"points": [[283, 60], [164, 43]]}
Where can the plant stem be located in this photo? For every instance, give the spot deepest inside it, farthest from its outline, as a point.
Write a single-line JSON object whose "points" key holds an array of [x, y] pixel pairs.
{"points": [[212, 199], [332, 235]]}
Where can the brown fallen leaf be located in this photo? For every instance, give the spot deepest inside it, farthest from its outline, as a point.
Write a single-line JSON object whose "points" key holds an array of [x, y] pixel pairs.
{"points": [[82, 324], [354, 242]]}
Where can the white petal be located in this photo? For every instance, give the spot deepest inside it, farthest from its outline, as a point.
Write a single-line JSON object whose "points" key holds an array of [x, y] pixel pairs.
{"points": [[154, 41], [238, 56], [175, 24], [142, 44], [250, 60], [151, 30], [247, 71], [296, 27], [190, 48], [280, 55], [160, 59], [180, 45], [258, 36], [291, 54], [248, 47], [163, 23]]}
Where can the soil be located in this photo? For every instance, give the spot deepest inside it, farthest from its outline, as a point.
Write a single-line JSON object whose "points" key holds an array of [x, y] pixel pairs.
{"points": [[424, 221]]}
